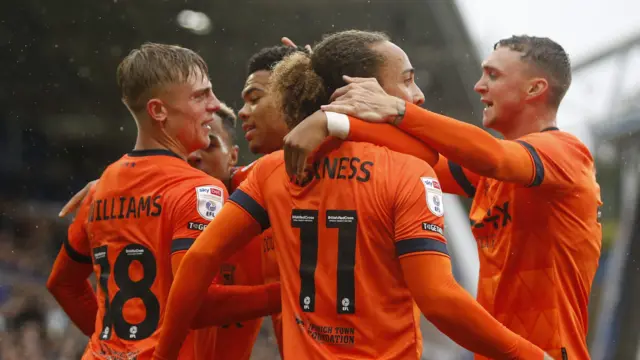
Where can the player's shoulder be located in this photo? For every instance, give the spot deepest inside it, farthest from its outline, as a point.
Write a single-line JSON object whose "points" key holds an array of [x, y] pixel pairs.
{"points": [[239, 174], [193, 179], [267, 164], [559, 145], [400, 163], [275, 158]]}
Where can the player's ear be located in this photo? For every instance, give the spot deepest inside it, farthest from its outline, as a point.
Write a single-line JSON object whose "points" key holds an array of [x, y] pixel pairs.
{"points": [[233, 156], [537, 87], [156, 109]]}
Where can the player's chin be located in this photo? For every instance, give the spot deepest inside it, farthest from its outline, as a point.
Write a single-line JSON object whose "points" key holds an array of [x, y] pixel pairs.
{"points": [[255, 146], [202, 142], [488, 120]]}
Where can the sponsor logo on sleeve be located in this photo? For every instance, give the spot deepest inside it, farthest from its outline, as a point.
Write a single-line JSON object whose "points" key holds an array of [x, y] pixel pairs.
{"points": [[196, 226], [433, 193], [209, 201], [432, 227]]}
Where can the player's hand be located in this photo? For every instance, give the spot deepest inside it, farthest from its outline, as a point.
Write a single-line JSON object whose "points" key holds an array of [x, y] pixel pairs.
{"points": [[287, 42], [76, 200], [302, 141], [365, 99]]}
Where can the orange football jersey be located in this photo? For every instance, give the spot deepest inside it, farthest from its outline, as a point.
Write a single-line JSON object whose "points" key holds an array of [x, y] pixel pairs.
{"points": [[253, 265], [146, 206], [339, 240], [539, 245]]}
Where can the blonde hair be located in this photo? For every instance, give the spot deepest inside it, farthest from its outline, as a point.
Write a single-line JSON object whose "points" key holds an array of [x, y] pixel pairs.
{"points": [[152, 66]]}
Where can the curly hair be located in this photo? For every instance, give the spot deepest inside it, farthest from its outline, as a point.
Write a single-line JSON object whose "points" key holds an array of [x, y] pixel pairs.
{"points": [[268, 57], [302, 82], [547, 56]]}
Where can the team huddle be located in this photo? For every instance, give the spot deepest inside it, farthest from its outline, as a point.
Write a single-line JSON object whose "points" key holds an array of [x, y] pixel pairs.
{"points": [[337, 232]]}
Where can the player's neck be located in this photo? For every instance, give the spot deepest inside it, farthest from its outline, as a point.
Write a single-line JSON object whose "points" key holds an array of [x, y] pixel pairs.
{"points": [[146, 142], [530, 121]]}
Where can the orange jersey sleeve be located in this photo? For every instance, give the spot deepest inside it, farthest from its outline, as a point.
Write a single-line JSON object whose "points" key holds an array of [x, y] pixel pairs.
{"points": [[453, 178], [421, 247], [389, 136], [68, 281], [418, 212], [255, 264], [77, 242], [504, 160], [558, 158], [231, 230], [234, 341], [222, 304], [196, 207]]}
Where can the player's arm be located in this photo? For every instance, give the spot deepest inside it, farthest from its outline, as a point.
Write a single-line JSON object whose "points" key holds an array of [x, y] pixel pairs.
{"points": [[232, 229], [77, 199], [68, 281], [453, 178], [222, 304], [464, 144], [421, 248], [472, 147], [306, 137]]}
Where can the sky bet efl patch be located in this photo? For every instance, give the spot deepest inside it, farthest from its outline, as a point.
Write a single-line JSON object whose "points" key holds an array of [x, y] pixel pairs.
{"points": [[433, 193], [209, 201]]}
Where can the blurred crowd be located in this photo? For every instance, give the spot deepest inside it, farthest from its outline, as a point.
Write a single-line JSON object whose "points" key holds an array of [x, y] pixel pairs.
{"points": [[32, 325]]}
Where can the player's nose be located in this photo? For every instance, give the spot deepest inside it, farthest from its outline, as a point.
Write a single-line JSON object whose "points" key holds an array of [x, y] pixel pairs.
{"points": [[418, 98], [214, 103], [480, 87], [243, 114]]}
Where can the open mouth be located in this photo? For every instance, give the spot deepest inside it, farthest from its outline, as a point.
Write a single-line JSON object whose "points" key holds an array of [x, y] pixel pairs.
{"points": [[487, 104], [246, 128]]}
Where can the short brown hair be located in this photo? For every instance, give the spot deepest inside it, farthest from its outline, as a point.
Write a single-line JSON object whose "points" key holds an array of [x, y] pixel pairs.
{"points": [[229, 119], [302, 82], [547, 56], [153, 65]]}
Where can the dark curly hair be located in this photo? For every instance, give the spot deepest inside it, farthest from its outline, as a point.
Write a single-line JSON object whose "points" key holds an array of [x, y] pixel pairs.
{"points": [[267, 58], [302, 82], [547, 56]]}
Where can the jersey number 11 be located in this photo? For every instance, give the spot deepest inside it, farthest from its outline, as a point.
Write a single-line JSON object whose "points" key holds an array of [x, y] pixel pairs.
{"points": [[346, 221]]}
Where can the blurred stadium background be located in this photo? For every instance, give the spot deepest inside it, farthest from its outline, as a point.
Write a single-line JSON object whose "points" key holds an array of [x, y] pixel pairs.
{"points": [[61, 123]]}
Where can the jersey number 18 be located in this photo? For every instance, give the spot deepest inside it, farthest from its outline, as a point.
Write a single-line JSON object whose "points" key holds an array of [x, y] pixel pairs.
{"points": [[113, 318]]}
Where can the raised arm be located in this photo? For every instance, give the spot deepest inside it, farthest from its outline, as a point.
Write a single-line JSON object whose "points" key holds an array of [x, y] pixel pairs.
{"points": [[465, 144], [472, 147]]}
